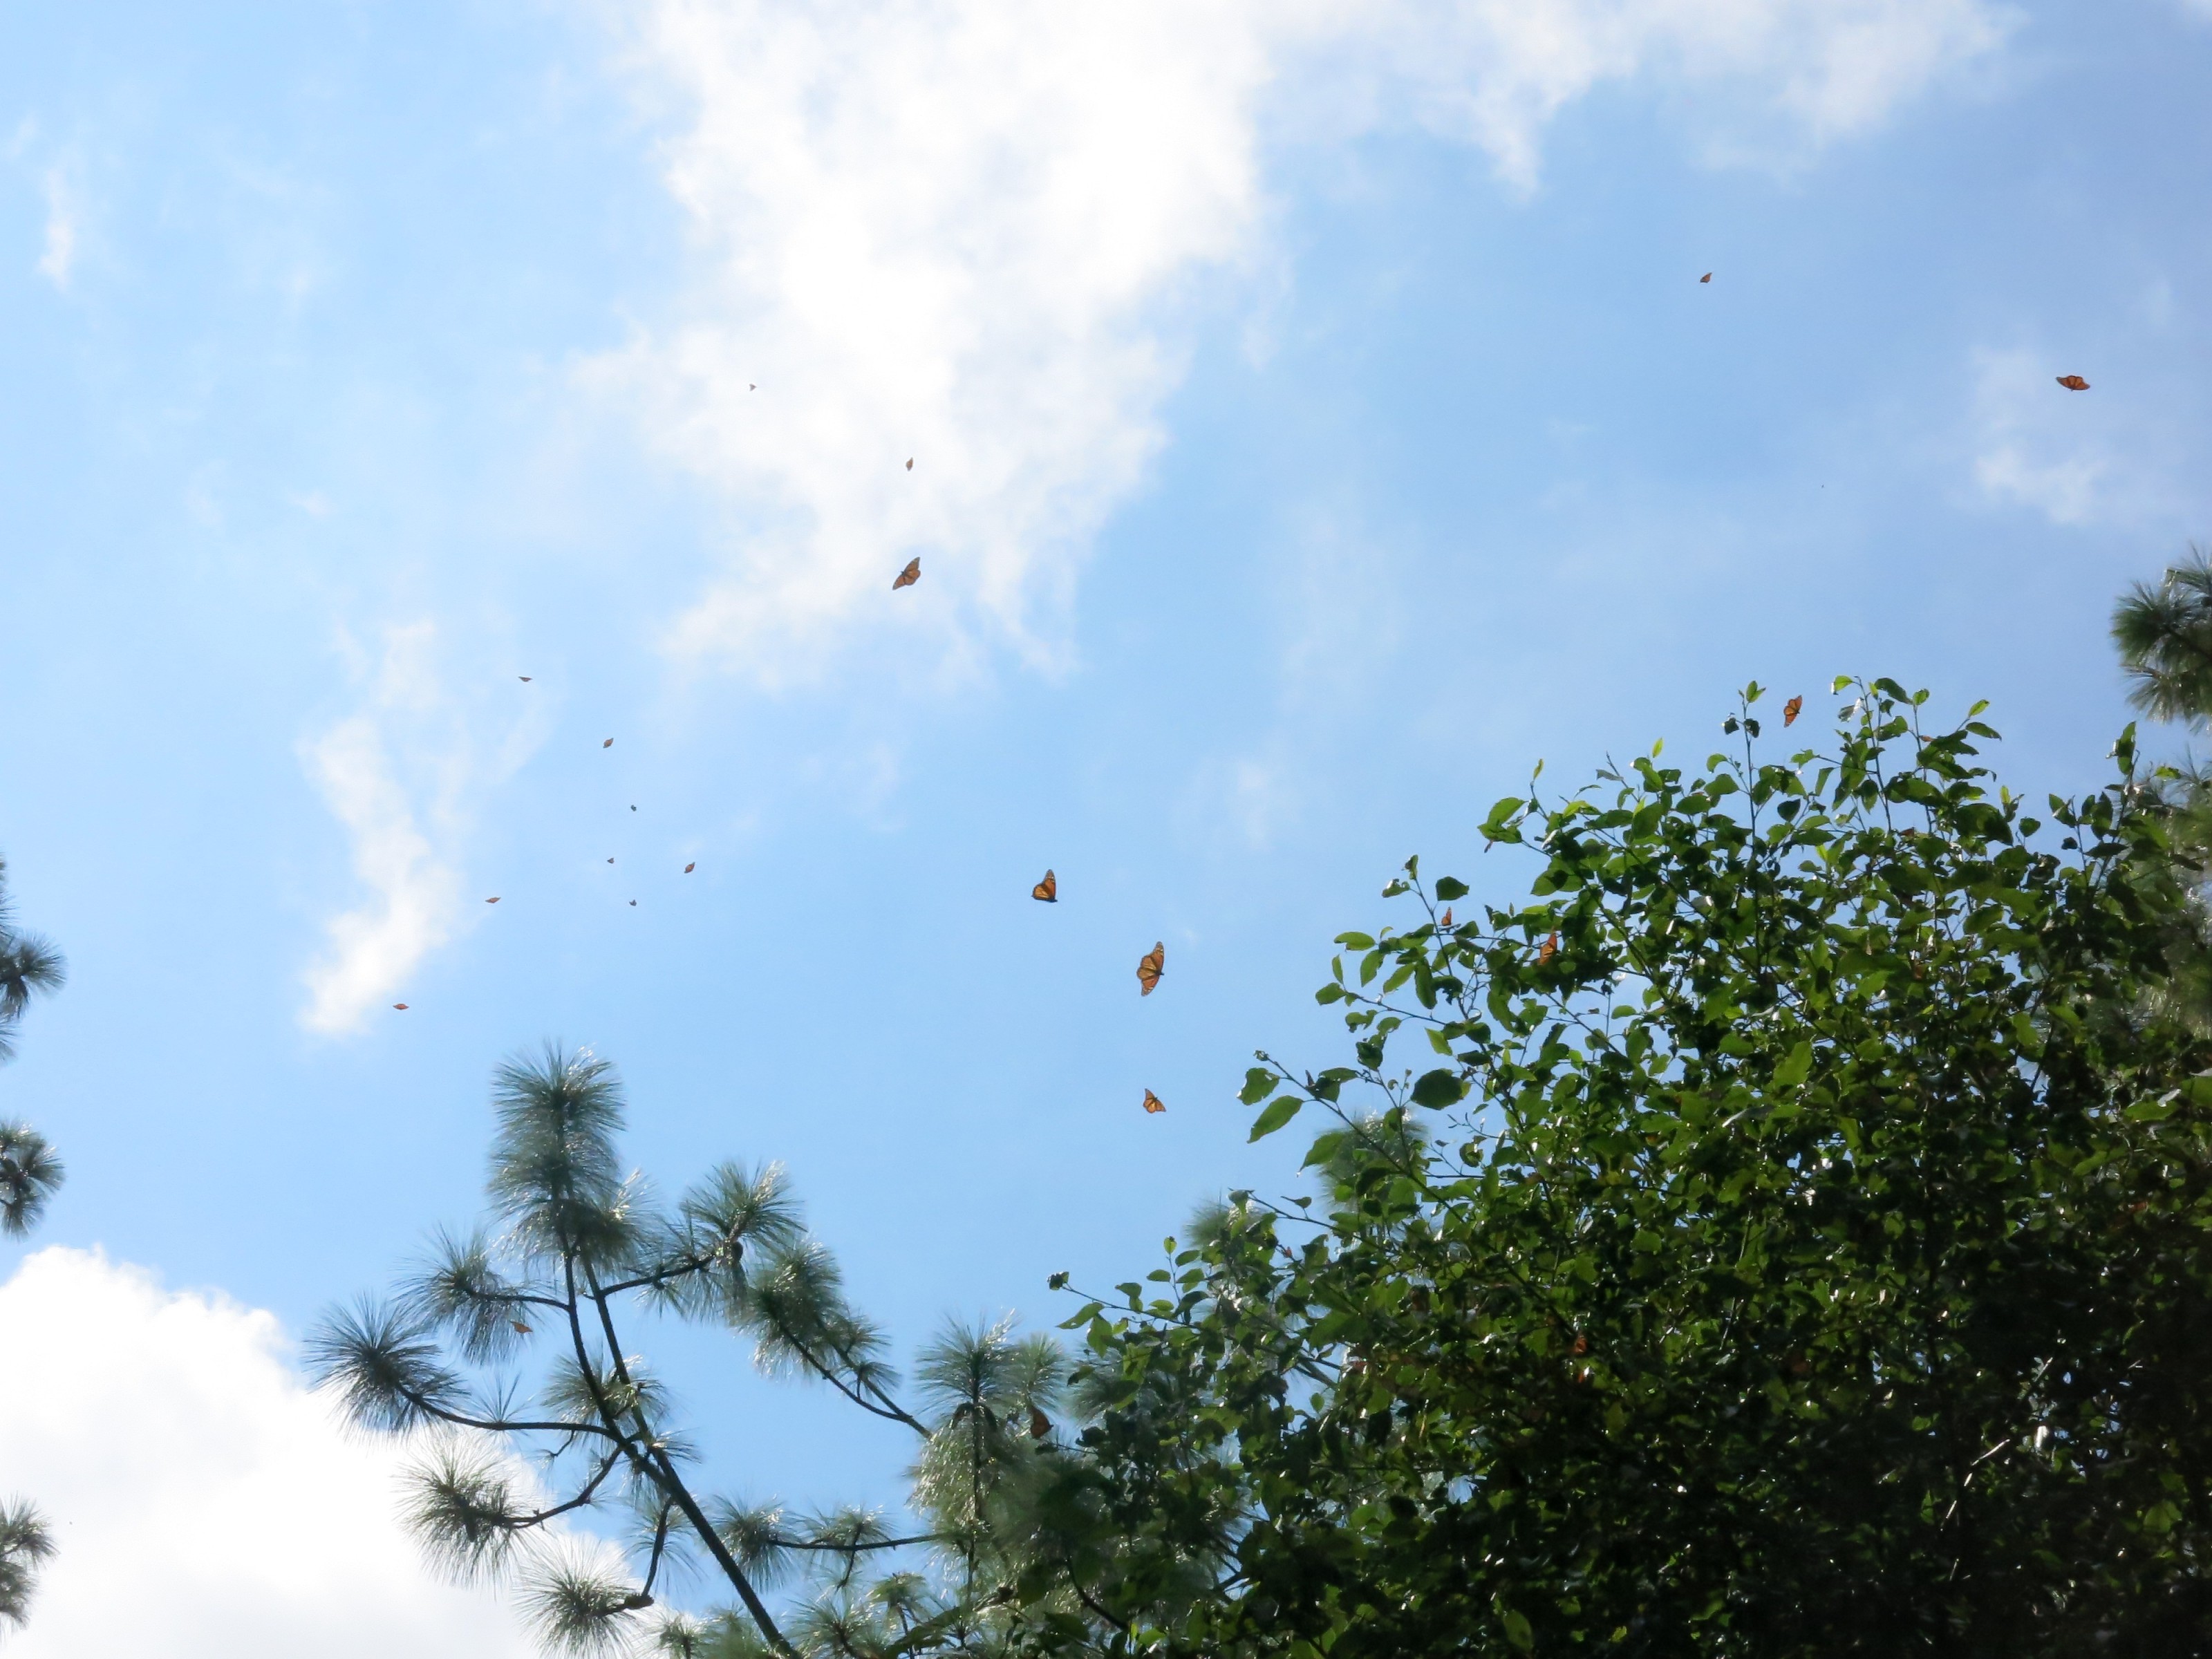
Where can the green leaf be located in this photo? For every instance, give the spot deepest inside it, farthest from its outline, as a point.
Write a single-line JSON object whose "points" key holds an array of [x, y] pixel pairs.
{"points": [[1440, 1088], [1450, 888], [1796, 1067], [1280, 1110], [1517, 1629], [1257, 1082]]}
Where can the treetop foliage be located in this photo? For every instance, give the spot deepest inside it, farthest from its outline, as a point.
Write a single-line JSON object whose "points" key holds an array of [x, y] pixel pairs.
{"points": [[1785, 1236]]}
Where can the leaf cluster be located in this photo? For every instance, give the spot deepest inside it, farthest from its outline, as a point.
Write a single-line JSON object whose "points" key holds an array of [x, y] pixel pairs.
{"points": [[1790, 1239]]}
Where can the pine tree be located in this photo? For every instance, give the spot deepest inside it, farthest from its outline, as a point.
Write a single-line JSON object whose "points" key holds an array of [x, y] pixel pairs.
{"points": [[573, 1247], [29, 1174]]}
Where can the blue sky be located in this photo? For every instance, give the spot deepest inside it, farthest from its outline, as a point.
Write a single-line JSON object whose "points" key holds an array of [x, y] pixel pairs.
{"points": [[1316, 419]]}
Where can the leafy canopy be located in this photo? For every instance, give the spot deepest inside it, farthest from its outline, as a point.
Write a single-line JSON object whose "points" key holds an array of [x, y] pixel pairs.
{"points": [[1785, 1235]]}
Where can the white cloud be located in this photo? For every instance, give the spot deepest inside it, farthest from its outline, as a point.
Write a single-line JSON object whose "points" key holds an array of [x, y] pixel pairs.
{"points": [[401, 775], [58, 258], [958, 231], [205, 1505]]}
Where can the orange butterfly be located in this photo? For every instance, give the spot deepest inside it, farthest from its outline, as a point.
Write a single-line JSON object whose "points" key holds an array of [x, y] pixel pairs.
{"points": [[1446, 922], [520, 1329], [1550, 948], [493, 900], [609, 743], [1040, 1425], [399, 1006], [1153, 1102], [2073, 383], [909, 576], [1048, 890], [1149, 967], [689, 868], [909, 463], [1707, 277], [1789, 709]]}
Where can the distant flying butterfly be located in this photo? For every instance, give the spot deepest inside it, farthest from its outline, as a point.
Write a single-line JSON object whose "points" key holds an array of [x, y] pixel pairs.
{"points": [[689, 868], [609, 743], [633, 905], [401, 1005], [908, 577], [525, 678], [609, 860], [494, 899], [1707, 277], [1149, 967], [1551, 948], [1789, 709], [909, 463], [1048, 890], [520, 1329], [1153, 1102], [2073, 383]]}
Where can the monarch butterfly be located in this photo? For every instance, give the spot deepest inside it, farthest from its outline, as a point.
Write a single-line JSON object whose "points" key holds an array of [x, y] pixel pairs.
{"points": [[908, 577], [1153, 1102], [1046, 891], [1040, 1425], [609, 743], [1149, 967], [493, 900], [1550, 948], [399, 1006], [1707, 277], [1789, 709], [2073, 383], [520, 1329], [1446, 922], [909, 463], [689, 868]]}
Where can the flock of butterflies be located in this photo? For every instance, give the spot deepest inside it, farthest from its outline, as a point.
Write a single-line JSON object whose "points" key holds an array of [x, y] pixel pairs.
{"points": [[1153, 963]]}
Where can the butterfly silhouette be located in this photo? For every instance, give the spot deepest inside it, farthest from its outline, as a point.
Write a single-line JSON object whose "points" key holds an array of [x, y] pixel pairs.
{"points": [[909, 576], [1707, 277], [2073, 383], [1040, 1425], [609, 743], [520, 1329], [1789, 709], [1149, 967], [689, 868], [525, 678], [1153, 1102], [1048, 890], [909, 463], [494, 899], [1551, 948], [401, 1005]]}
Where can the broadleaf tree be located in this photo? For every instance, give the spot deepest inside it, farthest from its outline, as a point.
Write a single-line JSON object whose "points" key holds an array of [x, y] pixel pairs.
{"points": [[1782, 1233], [505, 1359], [30, 1174]]}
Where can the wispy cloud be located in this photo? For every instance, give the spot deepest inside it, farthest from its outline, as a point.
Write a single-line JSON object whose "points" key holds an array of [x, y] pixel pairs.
{"points": [[959, 232], [2057, 453], [402, 775], [172, 1448], [57, 257]]}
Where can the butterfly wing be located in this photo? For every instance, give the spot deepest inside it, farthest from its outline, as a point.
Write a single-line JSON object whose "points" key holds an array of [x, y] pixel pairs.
{"points": [[1153, 1102], [1791, 709], [1047, 890], [1149, 967], [1550, 948], [2073, 383], [908, 577]]}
